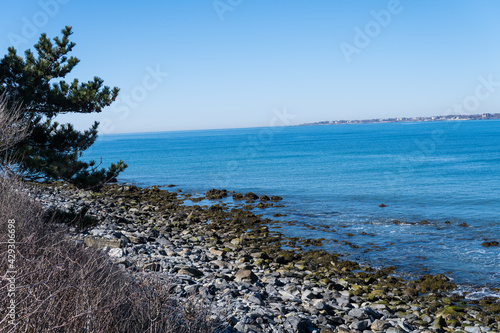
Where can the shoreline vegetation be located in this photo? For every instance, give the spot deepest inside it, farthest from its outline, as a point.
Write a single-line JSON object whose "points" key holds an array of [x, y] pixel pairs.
{"points": [[245, 276], [483, 116]]}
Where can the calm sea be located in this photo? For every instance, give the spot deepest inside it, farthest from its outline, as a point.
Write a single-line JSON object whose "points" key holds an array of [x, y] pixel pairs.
{"points": [[337, 176]]}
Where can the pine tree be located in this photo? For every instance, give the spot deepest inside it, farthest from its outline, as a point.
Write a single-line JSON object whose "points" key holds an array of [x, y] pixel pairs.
{"points": [[53, 151]]}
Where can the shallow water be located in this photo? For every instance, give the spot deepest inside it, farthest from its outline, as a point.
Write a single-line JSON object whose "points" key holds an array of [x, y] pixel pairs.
{"points": [[337, 176]]}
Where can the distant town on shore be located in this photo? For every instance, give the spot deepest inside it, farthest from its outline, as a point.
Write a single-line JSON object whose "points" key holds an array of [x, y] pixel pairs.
{"points": [[484, 116]]}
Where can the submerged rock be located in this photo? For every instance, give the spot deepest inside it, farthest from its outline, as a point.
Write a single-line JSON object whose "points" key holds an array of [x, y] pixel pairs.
{"points": [[488, 244], [276, 198]]}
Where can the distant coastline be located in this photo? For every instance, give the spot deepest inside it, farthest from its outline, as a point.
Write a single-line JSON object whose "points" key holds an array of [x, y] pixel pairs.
{"points": [[484, 116]]}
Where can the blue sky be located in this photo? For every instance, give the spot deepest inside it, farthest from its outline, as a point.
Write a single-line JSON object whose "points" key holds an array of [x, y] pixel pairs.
{"points": [[239, 63]]}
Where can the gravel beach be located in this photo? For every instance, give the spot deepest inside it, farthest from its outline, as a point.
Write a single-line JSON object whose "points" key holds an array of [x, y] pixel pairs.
{"points": [[234, 262]]}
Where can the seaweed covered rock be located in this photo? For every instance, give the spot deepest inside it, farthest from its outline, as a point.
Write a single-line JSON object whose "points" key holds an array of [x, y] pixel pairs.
{"points": [[276, 198], [238, 196], [251, 196], [215, 194]]}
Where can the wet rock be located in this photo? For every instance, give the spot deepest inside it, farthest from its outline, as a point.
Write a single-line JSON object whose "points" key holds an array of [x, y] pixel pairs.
{"points": [[488, 244], [238, 196], [250, 196], [276, 198], [215, 194], [382, 205]]}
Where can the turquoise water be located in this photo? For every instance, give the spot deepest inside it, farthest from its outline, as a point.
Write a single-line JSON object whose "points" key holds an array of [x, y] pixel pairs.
{"points": [[337, 176]]}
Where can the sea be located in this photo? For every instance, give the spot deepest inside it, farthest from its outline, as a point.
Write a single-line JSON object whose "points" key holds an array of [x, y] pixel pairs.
{"points": [[439, 182]]}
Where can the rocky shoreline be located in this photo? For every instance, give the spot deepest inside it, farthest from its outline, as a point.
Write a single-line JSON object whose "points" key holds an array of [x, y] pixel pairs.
{"points": [[237, 264]]}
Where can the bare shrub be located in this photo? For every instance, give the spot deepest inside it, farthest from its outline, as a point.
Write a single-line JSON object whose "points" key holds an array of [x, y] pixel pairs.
{"points": [[63, 286], [13, 129]]}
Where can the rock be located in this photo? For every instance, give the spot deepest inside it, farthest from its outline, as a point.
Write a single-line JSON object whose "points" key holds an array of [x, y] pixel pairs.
{"points": [[380, 325], [100, 242], [358, 313], [296, 325], [344, 329], [472, 329], [245, 275], [382, 205], [238, 196], [136, 238], [488, 244], [276, 198], [360, 325], [251, 196], [214, 194], [216, 252], [164, 241], [255, 299], [264, 198], [191, 271], [396, 330], [288, 297], [115, 253], [438, 324]]}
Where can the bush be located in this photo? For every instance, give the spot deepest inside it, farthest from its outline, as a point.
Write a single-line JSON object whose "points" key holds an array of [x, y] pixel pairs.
{"points": [[63, 286]]}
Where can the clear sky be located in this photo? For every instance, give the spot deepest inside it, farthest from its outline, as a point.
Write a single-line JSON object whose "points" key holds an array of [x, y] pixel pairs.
{"points": [[239, 63]]}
